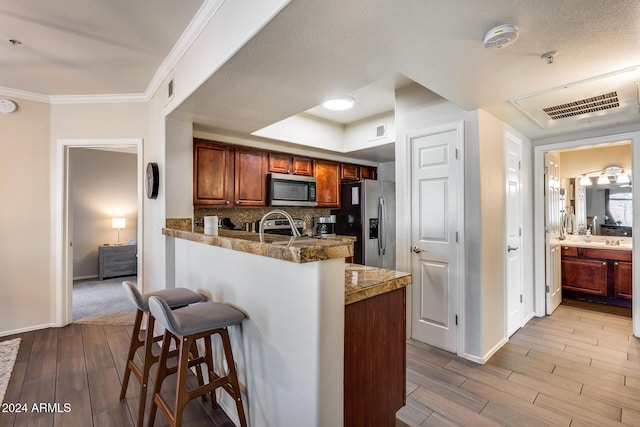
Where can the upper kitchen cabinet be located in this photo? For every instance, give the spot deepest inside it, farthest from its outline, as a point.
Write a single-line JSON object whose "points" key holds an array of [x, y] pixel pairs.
{"points": [[285, 163], [368, 172], [250, 177], [213, 165], [327, 183], [349, 172]]}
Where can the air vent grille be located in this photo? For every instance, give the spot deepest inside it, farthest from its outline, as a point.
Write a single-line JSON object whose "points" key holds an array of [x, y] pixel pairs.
{"points": [[584, 106]]}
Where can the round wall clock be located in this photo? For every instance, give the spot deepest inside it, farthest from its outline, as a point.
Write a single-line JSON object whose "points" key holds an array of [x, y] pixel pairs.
{"points": [[153, 178]]}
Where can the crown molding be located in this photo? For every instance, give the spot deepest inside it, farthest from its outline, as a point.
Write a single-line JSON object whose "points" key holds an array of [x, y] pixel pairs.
{"points": [[98, 99], [23, 94], [190, 34]]}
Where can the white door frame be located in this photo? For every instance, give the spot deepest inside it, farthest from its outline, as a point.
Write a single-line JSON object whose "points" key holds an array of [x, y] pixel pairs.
{"points": [[61, 241], [539, 239]]}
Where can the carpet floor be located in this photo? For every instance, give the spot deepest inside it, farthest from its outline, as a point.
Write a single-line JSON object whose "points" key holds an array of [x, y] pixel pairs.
{"points": [[102, 301], [8, 354]]}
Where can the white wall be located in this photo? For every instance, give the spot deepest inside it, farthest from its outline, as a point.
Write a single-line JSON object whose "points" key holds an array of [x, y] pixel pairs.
{"points": [[179, 166], [102, 186], [305, 130], [25, 228], [362, 134]]}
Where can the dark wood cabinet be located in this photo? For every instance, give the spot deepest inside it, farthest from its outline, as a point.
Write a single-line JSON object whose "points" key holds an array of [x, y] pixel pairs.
{"points": [[584, 275], [302, 166], [250, 177], [375, 359], [349, 172], [327, 183], [285, 163], [597, 274], [368, 172], [213, 165], [622, 280]]}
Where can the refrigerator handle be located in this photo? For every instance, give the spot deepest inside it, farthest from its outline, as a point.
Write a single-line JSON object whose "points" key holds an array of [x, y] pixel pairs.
{"points": [[382, 237]]}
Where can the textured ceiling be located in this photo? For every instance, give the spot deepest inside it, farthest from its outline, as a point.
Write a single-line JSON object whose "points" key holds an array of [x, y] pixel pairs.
{"points": [[80, 47], [313, 50]]}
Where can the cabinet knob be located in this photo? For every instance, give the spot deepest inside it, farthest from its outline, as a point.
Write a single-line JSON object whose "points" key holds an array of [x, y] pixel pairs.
{"points": [[604, 263], [226, 202], [615, 263]]}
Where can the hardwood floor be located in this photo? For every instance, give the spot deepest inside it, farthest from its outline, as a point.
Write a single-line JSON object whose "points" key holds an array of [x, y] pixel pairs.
{"points": [[82, 365], [577, 367]]}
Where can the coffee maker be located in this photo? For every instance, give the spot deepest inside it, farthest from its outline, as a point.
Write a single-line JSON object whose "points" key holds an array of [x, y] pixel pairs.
{"points": [[324, 226]]}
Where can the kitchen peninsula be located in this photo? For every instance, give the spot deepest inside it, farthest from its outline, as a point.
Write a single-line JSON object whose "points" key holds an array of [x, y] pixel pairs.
{"points": [[305, 353]]}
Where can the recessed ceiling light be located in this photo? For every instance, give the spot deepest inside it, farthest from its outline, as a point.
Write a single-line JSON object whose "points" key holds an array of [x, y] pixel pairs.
{"points": [[337, 104], [500, 36]]}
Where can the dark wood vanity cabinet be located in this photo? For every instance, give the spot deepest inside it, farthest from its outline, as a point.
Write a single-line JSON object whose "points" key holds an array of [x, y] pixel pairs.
{"points": [[603, 275]]}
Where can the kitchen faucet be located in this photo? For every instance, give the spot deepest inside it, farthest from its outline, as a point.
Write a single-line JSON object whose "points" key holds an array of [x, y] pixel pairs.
{"points": [[294, 230]]}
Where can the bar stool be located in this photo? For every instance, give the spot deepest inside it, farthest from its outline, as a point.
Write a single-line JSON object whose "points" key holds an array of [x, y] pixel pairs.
{"points": [[189, 324], [178, 297]]}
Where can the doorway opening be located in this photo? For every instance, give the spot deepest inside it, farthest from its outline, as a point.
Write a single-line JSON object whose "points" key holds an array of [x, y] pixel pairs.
{"points": [[551, 239], [64, 217]]}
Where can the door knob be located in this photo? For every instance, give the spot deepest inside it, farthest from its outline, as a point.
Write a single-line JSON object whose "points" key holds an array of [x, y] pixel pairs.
{"points": [[416, 249], [512, 248]]}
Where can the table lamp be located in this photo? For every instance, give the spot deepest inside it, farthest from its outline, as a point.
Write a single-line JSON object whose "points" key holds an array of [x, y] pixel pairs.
{"points": [[118, 223]]}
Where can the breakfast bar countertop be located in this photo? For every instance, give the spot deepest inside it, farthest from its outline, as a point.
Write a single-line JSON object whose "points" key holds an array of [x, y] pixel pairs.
{"points": [[362, 282], [298, 250]]}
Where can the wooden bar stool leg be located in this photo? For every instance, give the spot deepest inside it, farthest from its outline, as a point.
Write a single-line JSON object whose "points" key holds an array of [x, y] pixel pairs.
{"points": [[208, 358], [194, 354], [182, 395], [233, 376], [133, 346], [162, 373], [148, 362]]}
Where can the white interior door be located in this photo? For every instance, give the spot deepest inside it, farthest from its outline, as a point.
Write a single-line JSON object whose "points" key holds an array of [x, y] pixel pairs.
{"points": [[513, 159], [434, 221], [552, 230]]}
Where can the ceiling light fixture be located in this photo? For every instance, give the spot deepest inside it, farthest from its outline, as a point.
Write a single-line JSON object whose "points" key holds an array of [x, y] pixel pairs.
{"points": [[501, 36], [338, 104]]}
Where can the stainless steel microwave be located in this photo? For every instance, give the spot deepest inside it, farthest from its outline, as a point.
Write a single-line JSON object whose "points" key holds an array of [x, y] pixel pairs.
{"points": [[291, 190]]}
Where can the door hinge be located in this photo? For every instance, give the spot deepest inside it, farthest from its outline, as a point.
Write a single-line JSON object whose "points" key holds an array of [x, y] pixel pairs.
{"points": [[546, 288], [457, 154], [519, 165], [456, 237], [520, 231], [520, 298], [456, 320]]}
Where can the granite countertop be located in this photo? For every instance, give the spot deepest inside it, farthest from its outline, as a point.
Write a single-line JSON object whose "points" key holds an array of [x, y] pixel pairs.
{"points": [[300, 250], [596, 242], [362, 282]]}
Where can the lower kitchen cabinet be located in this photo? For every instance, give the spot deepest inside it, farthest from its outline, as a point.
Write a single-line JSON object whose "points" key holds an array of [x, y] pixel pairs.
{"points": [[375, 359], [117, 260]]}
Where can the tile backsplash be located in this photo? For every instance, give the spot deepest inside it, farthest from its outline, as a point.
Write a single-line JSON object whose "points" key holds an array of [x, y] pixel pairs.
{"points": [[240, 216]]}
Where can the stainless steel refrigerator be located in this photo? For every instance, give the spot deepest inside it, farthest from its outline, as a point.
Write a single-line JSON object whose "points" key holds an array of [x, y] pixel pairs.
{"points": [[368, 211]]}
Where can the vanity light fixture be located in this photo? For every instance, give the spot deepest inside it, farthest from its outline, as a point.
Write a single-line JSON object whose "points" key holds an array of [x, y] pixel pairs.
{"points": [[338, 104], [585, 181], [602, 179], [622, 177]]}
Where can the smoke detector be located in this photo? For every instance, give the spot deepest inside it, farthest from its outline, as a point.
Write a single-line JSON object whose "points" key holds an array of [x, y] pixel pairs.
{"points": [[500, 36]]}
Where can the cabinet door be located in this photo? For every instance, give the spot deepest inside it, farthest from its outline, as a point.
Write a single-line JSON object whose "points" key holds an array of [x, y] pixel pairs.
{"points": [[350, 172], [327, 183], [212, 173], [368, 172], [251, 177], [622, 280], [302, 166], [584, 275], [279, 163]]}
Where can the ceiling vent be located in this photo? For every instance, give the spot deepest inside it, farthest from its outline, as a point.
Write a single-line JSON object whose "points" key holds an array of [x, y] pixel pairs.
{"points": [[583, 106], [602, 100]]}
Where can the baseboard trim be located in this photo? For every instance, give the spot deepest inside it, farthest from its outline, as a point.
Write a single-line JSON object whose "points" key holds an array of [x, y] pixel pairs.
{"points": [[91, 276], [484, 359], [27, 329]]}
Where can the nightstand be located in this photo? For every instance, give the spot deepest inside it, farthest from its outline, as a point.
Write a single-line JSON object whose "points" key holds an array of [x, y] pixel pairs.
{"points": [[116, 261]]}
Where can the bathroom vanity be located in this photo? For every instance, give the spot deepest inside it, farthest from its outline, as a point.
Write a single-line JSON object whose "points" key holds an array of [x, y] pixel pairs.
{"points": [[599, 270]]}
